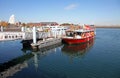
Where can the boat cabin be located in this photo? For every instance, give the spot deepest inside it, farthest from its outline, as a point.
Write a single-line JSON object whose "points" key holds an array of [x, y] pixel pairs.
{"points": [[79, 34]]}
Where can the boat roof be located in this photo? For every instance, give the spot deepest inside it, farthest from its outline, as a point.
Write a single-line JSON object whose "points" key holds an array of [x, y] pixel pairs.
{"points": [[81, 30]]}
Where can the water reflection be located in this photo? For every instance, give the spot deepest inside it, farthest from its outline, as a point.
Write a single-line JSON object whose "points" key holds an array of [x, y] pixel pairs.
{"points": [[41, 53], [13, 66], [78, 50], [8, 69]]}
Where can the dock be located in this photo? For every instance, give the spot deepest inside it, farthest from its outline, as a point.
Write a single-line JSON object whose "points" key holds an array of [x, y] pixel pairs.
{"points": [[46, 43], [35, 39]]}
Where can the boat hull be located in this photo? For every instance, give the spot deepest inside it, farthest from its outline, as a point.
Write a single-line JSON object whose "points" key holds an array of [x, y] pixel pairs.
{"points": [[78, 47], [75, 40]]}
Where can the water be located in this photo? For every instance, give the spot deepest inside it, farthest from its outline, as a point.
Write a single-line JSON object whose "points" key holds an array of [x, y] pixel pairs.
{"points": [[100, 58]]}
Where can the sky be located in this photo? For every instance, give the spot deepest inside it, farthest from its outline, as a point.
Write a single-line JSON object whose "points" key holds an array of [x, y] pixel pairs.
{"points": [[98, 12]]}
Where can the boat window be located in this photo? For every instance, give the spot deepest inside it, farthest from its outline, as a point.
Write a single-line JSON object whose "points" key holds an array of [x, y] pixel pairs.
{"points": [[78, 33], [69, 34]]}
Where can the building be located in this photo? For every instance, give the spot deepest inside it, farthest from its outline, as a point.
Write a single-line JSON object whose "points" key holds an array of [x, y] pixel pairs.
{"points": [[12, 19], [43, 24]]}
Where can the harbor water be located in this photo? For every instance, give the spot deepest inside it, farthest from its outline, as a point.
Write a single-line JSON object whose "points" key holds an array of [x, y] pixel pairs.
{"points": [[99, 58]]}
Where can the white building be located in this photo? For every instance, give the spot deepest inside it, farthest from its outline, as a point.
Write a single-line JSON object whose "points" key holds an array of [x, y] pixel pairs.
{"points": [[12, 19], [56, 30]]}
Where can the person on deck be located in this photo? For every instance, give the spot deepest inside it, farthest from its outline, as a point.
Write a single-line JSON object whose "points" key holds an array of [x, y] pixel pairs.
{"points": [[78, 36]]}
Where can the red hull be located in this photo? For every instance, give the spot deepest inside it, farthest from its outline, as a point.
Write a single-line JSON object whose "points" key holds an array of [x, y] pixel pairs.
{"points": [[76, 41], [78, 48]]}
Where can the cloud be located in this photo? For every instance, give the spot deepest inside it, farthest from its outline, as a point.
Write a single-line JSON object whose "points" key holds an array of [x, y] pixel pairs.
{"points": [[71, 7]]}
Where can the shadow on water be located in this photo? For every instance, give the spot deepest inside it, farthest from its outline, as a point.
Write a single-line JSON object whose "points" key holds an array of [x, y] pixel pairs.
{"points": [[8, 69], [77, 50]]}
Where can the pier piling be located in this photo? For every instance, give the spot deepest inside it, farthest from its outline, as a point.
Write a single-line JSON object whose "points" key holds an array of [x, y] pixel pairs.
{"points": [[34, 35]]}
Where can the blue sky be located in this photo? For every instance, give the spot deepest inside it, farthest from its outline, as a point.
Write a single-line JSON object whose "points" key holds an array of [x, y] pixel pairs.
{"points": [[101, 12]]}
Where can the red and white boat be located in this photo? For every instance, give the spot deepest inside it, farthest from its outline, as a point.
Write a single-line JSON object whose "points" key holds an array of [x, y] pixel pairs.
{"points": [[78, 48], [85, 34]]}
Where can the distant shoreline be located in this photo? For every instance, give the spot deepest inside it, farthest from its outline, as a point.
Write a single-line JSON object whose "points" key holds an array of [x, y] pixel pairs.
{"points": [[107, 26]]}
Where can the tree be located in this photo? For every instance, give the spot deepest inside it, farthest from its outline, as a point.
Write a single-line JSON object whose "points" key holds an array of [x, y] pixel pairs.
{"points": [[3, 23], [23, 24], [30, 24], [65, 24], [72, 27]]}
